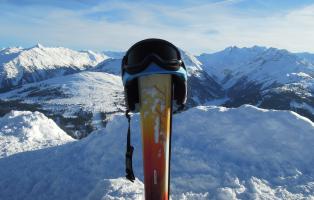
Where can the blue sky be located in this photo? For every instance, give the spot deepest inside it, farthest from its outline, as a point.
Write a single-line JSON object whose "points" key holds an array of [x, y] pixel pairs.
{"points": [[196, 26]]}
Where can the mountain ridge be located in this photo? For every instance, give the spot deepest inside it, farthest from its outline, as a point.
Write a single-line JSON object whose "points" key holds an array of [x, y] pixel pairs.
{"points": [[19, 66], [265, 77]]}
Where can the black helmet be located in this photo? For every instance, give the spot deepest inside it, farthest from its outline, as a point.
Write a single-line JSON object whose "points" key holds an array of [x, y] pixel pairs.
{"points": [[136, 63]]}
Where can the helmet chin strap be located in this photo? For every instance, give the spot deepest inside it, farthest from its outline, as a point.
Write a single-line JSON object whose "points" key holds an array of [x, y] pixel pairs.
{"points": [[129, 151]]}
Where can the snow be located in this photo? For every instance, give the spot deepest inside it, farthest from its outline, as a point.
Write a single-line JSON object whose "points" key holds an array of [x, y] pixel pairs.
{"points": [[257, 64], [304, 88], [91, 91], [16, 63], [22, 131], [8, 54], [194, 66], [302, 74], [111, 65], [96, 91], [120, 188], [114, 54], [217, 153], [222, 63]]}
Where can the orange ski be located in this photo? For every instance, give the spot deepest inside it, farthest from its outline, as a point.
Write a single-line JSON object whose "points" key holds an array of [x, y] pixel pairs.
{"points": [[155, 93]]}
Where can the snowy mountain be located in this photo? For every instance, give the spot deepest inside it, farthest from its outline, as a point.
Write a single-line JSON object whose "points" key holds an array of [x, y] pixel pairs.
{"points": [[83, 102], [79, 103], [19, 66], [262, 155], [266, 66], [22, 131], [202, 87], [265, 77]]}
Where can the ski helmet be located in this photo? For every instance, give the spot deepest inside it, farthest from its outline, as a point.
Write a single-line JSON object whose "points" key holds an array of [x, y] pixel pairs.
{"points": [[153, 56]]}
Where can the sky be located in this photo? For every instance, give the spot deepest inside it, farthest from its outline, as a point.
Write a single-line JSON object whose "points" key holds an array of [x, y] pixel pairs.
{"points": [[196, 26]]}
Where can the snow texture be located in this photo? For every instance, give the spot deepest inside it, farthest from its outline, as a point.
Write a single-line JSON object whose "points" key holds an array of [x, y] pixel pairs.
{"points": [[22, 131], [19, 65], [217, 153], [91, 91], [257, 64]]}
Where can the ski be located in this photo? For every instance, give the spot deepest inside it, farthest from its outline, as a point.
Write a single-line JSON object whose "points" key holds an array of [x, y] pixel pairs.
{"points": [[155, 93]]}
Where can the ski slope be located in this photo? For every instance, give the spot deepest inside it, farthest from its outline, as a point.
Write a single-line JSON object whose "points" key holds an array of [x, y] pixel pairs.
{"points": [[217, 153]]}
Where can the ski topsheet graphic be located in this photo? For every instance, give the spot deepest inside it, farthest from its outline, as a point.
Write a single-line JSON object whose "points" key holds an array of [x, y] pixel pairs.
{"points": [[155, 108], [154, 78]]}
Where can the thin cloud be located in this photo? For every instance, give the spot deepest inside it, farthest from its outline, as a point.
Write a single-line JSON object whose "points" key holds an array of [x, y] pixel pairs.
{"points": [[198, 28]]}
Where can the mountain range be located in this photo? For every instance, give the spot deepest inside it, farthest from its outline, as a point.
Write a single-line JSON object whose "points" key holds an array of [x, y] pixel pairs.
{"points": [[81, 90]]}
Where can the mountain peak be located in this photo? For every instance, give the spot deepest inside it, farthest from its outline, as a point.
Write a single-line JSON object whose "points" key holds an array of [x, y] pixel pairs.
{"points": [[38, 62], [38, 45], [230, 48], [253, 48]]}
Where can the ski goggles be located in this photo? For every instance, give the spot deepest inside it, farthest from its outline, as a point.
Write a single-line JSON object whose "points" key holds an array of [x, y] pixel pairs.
{"points": [[161, 52]]}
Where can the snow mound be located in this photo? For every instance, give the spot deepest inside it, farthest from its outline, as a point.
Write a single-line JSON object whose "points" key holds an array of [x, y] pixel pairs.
{"points": [[217, 153], [119, 188], [26, 131]]}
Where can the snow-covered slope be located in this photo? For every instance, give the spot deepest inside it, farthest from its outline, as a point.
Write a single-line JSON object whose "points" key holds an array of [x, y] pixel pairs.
{"points": [[257, 64], [114, 54], [224, 64], [79, 103], [216, 154], [201, 86], [111, 65], [265, 77], [19, 66], [306, 57], [22, 131]]}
